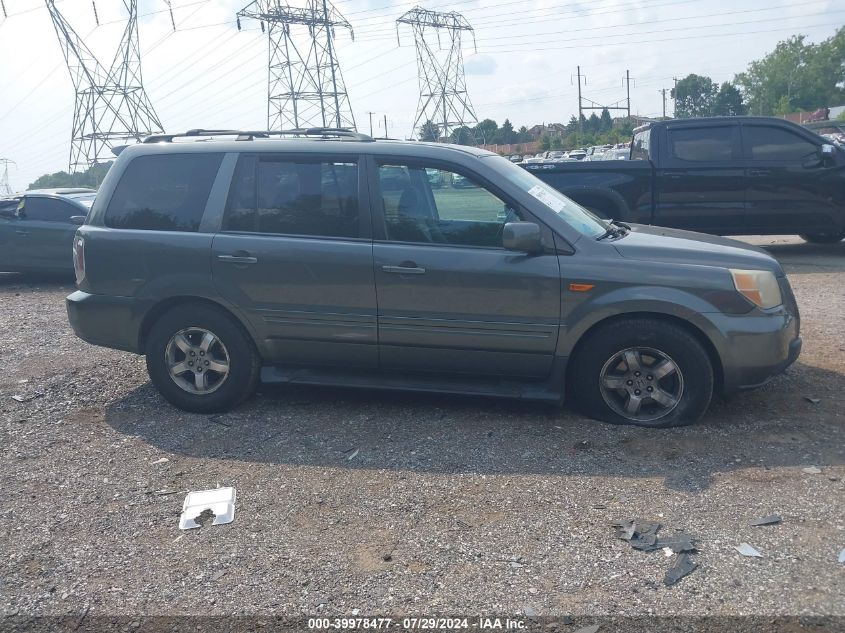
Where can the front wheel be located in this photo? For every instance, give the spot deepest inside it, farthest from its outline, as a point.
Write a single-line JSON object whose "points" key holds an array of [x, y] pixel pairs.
{"points": [[822, 238], [643, 372], [200, 359]]}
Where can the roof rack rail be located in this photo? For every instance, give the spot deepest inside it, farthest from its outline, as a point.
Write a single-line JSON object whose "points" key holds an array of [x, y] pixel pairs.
{"points": [[248, 135]]}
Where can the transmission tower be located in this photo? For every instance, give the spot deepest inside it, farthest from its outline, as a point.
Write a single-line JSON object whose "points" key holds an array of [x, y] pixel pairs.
{"points": [[443, 91], [305, 87], [5, 188], [111, 107]]}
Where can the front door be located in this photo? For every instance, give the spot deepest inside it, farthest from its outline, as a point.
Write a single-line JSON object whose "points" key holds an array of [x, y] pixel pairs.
{"points": [[700, 181], [450, 298], [295, 255], [789, 188], [44, 233]]}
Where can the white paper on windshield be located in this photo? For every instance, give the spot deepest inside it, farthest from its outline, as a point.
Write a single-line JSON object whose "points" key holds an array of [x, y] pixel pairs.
{"points": [[551, 201]]}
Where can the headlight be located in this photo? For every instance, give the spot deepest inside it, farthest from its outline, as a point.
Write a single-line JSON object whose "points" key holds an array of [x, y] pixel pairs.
{"points": [[760, 287]]}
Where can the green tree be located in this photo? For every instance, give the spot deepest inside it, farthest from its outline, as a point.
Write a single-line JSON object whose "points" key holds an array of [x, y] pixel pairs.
{"points": [[523, 135], [91, 178], [694, 96], [593, 124], [606, 120], [485, 131], [808, 75], [462, 135], [572, 126], [506, 133], [728, 101], [429, 131]]}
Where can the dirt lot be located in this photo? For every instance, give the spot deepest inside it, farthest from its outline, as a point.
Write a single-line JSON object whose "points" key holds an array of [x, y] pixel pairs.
{"points": [[395, 504]]}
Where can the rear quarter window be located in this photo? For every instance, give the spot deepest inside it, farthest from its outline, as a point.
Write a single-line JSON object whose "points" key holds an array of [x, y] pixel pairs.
{"points": [[163, 192]]}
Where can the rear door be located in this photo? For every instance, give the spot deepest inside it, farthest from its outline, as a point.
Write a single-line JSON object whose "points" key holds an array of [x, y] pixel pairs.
{"points": [[450, 298], [295, 255], [700, 179], [790, 189], [44, 233]]}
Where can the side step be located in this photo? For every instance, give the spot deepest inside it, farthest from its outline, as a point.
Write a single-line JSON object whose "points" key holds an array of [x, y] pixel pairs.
{"points": [[432, 383]]}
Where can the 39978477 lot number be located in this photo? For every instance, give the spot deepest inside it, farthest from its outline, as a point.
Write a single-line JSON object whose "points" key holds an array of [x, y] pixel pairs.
{"points": [[430, 624]]}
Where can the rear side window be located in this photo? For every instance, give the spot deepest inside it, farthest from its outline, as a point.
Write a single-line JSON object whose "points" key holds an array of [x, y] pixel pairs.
{"points": [[285, 196], [48, 210], [771, 143], [703, 144], [163, 192], [640, 149]]}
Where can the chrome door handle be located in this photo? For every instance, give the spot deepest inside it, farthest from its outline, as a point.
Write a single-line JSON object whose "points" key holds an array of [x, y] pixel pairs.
{"points": [[403, 270], [19, 232], [237, 259]]}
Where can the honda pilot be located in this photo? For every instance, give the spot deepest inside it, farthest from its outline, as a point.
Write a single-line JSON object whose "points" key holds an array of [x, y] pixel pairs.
{"points": [[324, 257]]}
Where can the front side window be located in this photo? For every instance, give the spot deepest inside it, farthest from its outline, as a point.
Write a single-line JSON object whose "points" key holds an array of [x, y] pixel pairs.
{"points": [[438, 206], [770, 143], [163, 192], [47, 210], [702, 144], [294, 197]]}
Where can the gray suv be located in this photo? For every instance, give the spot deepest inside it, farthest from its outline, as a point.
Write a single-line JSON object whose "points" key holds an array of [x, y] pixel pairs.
{"points": [[324, 257]]}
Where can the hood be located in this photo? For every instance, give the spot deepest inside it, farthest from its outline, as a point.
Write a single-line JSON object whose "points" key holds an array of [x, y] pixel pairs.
{"points": [[674, 246]]}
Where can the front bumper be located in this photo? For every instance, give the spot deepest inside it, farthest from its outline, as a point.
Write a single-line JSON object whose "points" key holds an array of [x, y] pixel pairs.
{"points": [[103, 320], [758, 347]]}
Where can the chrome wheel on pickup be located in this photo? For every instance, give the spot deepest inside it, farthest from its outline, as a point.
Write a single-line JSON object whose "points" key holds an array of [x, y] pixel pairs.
{"points": [[642, 384]]}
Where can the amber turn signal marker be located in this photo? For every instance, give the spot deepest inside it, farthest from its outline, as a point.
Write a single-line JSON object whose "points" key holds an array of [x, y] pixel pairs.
{"points": [[581, 287]]}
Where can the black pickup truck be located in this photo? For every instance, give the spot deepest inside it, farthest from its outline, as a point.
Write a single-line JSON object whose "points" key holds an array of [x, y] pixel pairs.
{"points": [[725, 175]]}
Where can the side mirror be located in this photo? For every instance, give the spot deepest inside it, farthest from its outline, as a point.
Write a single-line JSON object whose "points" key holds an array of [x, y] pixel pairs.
{"points": [[523, 237], [827, 153], [77, 219]]}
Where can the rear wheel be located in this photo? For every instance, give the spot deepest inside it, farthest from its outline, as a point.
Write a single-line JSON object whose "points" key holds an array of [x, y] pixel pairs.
{"points": [[200, 359], [643, 372], [823, 238]]}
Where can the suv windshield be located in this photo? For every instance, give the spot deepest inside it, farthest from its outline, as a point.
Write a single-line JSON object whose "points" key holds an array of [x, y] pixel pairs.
{"points": [[573, 214]]}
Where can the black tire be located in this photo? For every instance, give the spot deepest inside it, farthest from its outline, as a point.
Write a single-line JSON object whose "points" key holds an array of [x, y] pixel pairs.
{"points": [[693, 382], [244, 362], [822, 238]]}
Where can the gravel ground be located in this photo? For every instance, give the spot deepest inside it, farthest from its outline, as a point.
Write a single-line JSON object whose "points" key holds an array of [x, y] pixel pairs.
{"points": [[395, 503]]}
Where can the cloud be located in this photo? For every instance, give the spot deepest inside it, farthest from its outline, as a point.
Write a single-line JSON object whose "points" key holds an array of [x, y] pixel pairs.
{"points": [[480, 65]]}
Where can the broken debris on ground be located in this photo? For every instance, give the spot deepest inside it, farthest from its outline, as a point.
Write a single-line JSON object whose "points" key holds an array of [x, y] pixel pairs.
{"points": [[642, 535], [773, 519], [202, 506], [747, 550]]}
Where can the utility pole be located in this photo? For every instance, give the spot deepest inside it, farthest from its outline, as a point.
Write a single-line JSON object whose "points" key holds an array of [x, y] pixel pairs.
{"points": [[385, 127], [663, 92], [628, 87], [444, 99], [112, 107], [580, 117], [305, 86], [371, 122], [675, 98], [5, 188]]}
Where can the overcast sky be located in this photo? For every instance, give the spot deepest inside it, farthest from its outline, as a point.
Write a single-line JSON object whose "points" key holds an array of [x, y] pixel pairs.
{"points": [[207, 74]]}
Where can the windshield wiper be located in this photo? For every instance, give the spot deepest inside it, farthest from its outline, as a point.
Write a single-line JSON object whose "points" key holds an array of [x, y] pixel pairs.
{"points": [[620, 225], [610, 231]]}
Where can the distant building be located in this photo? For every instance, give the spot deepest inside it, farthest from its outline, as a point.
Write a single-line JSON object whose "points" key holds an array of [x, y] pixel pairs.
{"points": [[551, 129]]}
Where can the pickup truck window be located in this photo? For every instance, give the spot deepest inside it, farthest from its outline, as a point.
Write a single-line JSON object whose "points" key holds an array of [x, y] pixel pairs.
{"points": [[771, 143], [701, 144], [640, 149]]}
